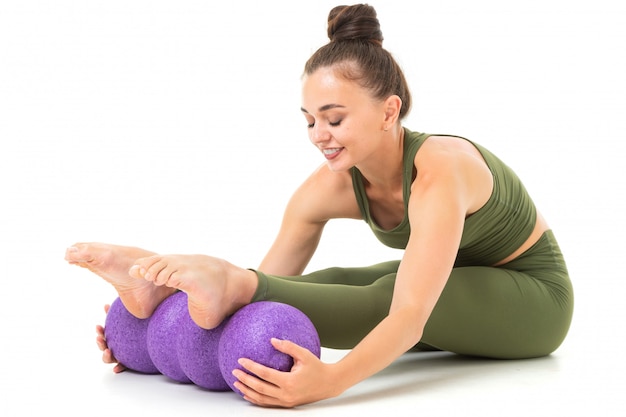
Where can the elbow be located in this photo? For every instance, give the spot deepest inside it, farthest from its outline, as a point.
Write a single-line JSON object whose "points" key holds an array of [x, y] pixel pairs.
{"points": [[415, 335], [412, 321]]}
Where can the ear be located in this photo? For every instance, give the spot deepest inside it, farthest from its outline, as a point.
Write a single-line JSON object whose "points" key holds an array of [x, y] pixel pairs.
{"points": [[392, 106]]}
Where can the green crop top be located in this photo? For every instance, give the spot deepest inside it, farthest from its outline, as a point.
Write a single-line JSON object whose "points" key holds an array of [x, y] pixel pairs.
{"points": [[490, 234]]}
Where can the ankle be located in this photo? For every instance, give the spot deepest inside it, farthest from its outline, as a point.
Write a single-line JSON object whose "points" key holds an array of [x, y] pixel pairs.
{"points": [[243, 283]]}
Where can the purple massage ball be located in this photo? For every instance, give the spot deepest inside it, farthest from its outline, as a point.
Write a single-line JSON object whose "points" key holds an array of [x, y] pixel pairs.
{"points": [[162, 336], [248, 332], [125, 335], [197, 354]]}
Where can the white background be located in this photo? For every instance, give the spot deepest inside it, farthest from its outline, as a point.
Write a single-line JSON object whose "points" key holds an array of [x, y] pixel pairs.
{"points": [[175, 126]]}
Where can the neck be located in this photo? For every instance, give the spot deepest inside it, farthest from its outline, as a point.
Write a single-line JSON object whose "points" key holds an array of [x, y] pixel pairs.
{"points": [[385, 168]]}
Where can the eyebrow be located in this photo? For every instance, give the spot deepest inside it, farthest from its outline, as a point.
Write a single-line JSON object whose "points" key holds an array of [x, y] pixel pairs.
{"points": [[324, 108]]}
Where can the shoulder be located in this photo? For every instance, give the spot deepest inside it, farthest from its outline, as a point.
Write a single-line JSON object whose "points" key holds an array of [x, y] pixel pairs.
{"points": [[454, 163], [326, 194], [448, 154]]}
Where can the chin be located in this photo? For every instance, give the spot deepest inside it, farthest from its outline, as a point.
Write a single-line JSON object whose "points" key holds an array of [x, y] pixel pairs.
{"points": [[335, 167], [340, 164]]}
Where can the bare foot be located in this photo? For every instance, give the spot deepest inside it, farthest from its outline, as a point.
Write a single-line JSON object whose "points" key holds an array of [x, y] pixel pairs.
{"points": [[113, 263], [215, 288]]}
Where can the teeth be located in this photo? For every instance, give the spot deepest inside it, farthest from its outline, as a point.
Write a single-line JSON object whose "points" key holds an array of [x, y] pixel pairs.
{"points": [[329, 151]]}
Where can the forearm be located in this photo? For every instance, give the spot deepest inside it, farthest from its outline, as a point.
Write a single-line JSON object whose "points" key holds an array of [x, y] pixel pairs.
{"points": [[292, 250], [276, 263], [392, 337]]}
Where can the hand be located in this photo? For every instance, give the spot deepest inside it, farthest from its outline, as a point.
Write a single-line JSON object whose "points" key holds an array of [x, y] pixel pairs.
{"points": [[107, 356], [308, 381]]}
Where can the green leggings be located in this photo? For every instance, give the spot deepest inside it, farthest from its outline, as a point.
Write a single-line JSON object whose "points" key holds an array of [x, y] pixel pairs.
{"points": [[522, 309]]}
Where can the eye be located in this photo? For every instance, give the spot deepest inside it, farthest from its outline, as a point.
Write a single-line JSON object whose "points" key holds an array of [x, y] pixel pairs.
{"points": [[335, 124]]}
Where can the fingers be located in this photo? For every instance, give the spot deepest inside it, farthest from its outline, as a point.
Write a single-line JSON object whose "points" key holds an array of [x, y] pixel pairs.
{"points": [[257, 390], [100, 341], [298, 353], [119, 368], [259, 372], [271, 375], [107, 355]]}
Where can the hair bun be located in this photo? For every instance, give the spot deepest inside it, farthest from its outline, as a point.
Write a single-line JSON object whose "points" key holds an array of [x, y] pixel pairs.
{"points": [[357, 22]]}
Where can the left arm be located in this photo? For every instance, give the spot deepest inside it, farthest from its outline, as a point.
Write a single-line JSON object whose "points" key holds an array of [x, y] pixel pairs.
{"points": [[441, 197], [437, 210]]}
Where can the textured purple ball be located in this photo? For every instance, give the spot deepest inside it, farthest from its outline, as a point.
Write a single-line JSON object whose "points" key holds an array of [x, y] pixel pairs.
{"points": [[249, 331], [162, 336], [125, 335], [197, 354]]}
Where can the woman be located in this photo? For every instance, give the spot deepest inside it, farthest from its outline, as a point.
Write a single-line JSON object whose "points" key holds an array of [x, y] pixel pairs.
{"points": [[481, 273]]}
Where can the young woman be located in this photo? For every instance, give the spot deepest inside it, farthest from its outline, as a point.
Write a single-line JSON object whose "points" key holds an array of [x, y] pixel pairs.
{"points": [[481, 273]]}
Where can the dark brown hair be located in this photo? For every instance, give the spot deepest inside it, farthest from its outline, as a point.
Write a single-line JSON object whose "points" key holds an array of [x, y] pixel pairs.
{"points": [[356, 51]]}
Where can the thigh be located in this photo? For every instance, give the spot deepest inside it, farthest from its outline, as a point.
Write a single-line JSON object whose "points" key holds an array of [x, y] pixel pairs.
{"points": [[498, 312]]}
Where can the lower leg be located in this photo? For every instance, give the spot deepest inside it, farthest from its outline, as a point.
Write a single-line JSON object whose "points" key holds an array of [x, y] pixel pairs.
{"points": [[342, 314], [353, 276]]}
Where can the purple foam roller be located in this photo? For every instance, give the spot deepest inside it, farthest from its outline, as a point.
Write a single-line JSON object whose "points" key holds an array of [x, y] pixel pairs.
{"points": [[248, 332], [162, 336], [125, 335], [197, 354]]}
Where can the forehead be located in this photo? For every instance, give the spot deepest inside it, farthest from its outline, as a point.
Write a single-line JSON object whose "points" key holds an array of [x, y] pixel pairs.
{"points": [[325, 86]]}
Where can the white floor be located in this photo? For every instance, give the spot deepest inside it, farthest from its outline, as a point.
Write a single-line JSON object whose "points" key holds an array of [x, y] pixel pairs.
{"points": [[50, 363], [168, 126]]}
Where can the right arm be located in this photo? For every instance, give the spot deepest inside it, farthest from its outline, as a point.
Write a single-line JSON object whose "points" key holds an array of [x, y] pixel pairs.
{"points": [[323, 196]]}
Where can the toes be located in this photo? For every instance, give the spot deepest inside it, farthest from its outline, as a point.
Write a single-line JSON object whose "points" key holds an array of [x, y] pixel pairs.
{"points": [[136, 271], [71, 254], [78, 254], [141, 266], [154, 268]]}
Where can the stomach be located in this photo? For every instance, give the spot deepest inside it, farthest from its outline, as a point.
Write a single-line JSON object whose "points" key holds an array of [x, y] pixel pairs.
{"points": [[541, 226]]}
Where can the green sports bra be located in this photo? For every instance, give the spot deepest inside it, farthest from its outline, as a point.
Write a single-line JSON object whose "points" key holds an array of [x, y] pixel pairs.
{"points": [[490, 234]]}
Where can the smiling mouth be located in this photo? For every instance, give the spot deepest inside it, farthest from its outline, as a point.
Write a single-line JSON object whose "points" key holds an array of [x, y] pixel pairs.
{"points": [[331, 153]]}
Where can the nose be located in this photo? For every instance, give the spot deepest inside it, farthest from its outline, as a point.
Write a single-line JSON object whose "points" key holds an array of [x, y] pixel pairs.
{"points": [[319, 134]]}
